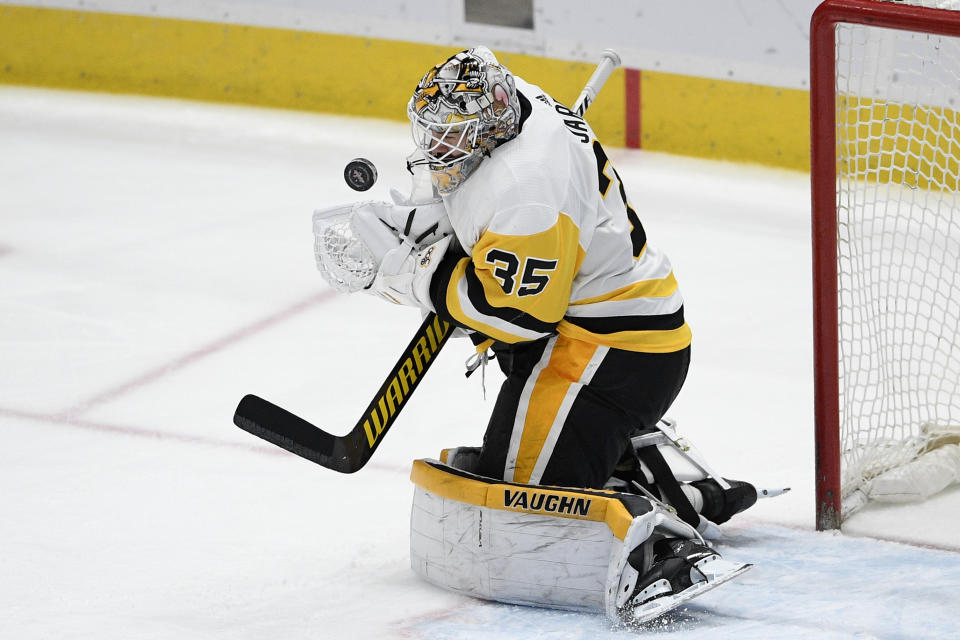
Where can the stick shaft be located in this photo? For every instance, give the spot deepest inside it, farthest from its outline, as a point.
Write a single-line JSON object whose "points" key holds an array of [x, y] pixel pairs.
{"points": [[609, 61]]}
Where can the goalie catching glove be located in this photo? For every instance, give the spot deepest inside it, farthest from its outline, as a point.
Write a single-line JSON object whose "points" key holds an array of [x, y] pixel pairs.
{"points": [[405, 273], [377, 247]]}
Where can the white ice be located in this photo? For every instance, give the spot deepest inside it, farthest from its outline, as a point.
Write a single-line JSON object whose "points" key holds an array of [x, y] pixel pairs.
{"points": [[156, 264]]}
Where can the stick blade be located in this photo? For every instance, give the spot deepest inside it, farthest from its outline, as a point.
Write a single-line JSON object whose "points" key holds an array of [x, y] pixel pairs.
{"points": [[288, 431]]}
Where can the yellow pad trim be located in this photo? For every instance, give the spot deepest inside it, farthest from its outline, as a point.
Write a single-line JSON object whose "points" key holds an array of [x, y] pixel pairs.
{"points": [[549, 501]]}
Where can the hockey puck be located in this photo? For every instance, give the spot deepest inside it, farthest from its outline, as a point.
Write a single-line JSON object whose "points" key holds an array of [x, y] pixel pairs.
{"points": [[360, 174]]}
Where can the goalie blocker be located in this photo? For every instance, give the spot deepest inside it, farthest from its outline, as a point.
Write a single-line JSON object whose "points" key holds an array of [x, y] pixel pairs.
{"points": [[620, 554]]}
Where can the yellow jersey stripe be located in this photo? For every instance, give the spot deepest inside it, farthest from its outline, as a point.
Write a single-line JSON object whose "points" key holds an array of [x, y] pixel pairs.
{"points": [[656, 341], [658, 288], [530, 273]]}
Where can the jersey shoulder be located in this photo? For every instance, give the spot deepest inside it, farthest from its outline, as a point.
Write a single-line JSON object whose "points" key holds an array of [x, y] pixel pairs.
{"points": [[525, 184], [532, 174]]}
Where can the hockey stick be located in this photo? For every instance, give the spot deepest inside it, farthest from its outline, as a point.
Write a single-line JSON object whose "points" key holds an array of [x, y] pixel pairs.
{"points": [[350, 452], [608, 62]]}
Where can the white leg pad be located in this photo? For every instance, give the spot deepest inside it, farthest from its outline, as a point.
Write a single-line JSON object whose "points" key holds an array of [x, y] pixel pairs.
{"points": [[523, 544]]}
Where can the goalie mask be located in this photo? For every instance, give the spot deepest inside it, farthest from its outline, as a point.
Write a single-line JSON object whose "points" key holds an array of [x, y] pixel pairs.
{"points": [[462, 110]]}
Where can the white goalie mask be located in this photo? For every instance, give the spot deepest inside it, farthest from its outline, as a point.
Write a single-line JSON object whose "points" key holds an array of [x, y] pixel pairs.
{"points": [[462, 110]]}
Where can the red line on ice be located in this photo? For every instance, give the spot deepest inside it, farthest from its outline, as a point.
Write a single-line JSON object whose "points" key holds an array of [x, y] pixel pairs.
{"points": [[140, 432], [195, 355], [131, 431]]}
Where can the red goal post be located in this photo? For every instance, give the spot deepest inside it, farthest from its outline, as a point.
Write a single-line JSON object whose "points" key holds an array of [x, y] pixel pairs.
{"points": [[827, 201]]}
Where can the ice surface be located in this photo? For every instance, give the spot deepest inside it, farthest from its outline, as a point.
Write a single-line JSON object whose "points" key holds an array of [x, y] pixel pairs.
{"points": [[156, 264]]}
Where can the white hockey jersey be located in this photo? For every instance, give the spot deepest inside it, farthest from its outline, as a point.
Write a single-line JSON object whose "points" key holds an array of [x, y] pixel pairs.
{"points": [[553, 245]]}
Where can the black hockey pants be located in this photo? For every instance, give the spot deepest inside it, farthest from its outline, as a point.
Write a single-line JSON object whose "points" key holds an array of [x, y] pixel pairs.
{"points": [[565, 413]]}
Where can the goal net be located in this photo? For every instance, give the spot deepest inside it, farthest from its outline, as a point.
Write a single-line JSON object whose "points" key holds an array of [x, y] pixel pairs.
{"points": [[885, 99]]}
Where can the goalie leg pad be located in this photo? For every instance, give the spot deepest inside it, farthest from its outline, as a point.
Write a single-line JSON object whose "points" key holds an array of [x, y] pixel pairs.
{"points": [[542, 546]]}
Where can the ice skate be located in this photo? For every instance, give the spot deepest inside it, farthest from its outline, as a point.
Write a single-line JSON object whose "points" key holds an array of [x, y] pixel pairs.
{"points": [[664, 573]]}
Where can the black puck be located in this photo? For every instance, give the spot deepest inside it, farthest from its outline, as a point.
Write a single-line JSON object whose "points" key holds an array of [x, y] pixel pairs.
{"points": [[360, 174]]}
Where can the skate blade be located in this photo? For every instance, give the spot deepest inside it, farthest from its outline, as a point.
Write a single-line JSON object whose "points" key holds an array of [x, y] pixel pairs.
{"points": [[717, 572]]}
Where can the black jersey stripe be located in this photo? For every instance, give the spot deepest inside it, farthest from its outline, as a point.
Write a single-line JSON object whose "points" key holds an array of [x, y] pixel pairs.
{"points": [[514, 316], [441, 281], [615, 324]]}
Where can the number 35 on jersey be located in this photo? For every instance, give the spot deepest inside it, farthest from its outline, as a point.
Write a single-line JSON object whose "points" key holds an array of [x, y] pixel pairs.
{"points": [[534, 273]]}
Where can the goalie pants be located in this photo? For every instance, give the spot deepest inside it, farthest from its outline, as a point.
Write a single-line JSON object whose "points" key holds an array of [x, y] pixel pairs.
{"points": [[566, 411]]}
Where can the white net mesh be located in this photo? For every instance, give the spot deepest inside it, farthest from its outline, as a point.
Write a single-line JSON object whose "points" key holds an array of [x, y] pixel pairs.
{"points": [[898, 178]]}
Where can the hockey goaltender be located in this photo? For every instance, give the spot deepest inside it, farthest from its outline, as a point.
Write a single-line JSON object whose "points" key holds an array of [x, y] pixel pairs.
{"points": [[519, 233]]}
